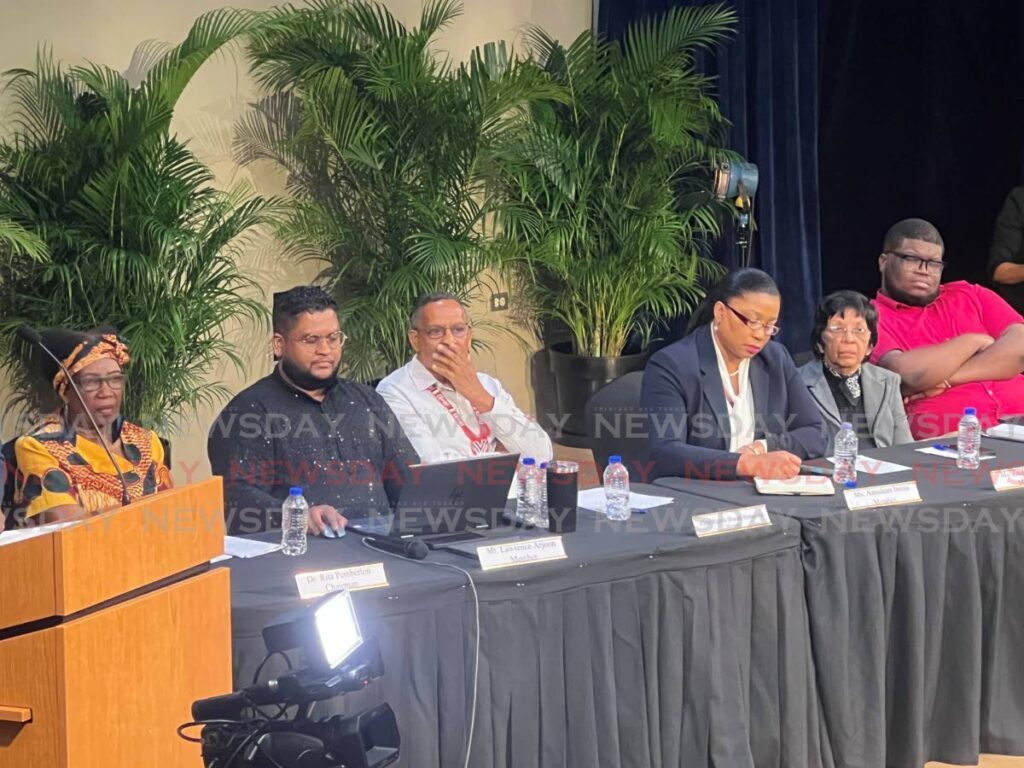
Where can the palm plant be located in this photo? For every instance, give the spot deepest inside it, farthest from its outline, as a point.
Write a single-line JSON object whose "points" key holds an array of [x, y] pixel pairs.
{"points": [[605, 195], [385, 147], [123, 226]]}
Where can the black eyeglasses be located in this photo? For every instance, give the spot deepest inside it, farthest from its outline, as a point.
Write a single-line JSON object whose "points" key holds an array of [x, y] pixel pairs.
{"points": [[755, 325], [91, 384], [910, 260]]}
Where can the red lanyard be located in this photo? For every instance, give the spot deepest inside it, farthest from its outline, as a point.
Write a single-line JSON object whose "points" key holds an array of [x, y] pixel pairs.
{"points": [[479, 443]]}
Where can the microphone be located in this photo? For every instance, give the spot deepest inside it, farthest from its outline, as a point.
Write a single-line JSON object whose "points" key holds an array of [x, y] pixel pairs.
{"points": [[230, 706], [34, 337], [412, 549]]}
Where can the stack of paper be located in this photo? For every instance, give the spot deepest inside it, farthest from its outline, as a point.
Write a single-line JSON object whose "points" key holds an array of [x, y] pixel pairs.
{"points": [[20, 534], [1006, 432], [236, 546]]}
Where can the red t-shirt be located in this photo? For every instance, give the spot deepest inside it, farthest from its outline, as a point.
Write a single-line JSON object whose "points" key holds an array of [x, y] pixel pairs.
{"points": [[960, 307]]}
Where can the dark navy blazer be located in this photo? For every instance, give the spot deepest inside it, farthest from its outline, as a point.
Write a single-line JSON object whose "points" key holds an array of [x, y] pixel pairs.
{"points": [[687, 418]]}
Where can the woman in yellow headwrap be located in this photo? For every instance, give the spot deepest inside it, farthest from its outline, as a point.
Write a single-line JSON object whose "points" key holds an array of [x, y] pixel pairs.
{"points": [[63, 471]]}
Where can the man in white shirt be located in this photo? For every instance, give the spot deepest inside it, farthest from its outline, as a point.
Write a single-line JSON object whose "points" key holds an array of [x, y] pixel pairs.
{"points": [[446, 408]]}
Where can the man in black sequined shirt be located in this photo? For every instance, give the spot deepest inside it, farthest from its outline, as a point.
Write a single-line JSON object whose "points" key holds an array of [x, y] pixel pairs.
{"points": [[303, 426]]}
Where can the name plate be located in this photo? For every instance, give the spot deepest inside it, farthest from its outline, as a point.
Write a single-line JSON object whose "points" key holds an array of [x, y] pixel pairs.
{"points": [[353, 579], [730, 520], [494, 556], [882, 495], [1009, 479]]}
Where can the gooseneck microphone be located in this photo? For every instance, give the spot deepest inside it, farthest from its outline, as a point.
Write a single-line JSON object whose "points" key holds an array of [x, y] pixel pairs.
{"points": [[32, 336], [413, 549]]}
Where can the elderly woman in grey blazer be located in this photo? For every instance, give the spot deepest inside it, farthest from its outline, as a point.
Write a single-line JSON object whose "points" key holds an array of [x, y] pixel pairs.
{"points": [[842, 384]]}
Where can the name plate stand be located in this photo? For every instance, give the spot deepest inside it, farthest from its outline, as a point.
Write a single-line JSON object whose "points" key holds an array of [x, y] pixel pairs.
{"points": [[354, 578], [882, 495], [731, 520], [1009, 479], [542, 550]]}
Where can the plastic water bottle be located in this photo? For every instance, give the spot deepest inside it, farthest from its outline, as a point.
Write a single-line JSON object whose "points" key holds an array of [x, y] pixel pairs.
{"points": [[616, 489], [294, 519], [527, 496], [540, 519], [845, 455], [968, 441]]}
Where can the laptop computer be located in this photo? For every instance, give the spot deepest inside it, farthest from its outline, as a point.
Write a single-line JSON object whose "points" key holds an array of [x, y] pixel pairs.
{"points": [[447, 501]]}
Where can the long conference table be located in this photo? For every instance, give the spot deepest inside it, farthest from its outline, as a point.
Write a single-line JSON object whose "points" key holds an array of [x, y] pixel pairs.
{"points": [[879, 638]]}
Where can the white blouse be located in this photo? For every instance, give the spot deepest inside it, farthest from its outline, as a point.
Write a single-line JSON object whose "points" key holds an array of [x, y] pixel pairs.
{"points": [[740, 406]]}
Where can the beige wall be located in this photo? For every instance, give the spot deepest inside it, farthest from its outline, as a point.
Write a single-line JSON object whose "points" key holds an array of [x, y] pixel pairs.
{"points": [[107, 32]]}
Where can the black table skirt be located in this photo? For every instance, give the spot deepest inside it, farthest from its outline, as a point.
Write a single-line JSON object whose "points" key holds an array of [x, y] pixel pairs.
{"points": [[671, 653], [918, 629], [916, 617]]}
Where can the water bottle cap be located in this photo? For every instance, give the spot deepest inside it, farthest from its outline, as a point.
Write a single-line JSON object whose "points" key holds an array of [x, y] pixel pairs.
{"points": [[543, 465], [847, 425], [850, 484], [614, 459], [968, 411], [528, 461], [295, 491]]}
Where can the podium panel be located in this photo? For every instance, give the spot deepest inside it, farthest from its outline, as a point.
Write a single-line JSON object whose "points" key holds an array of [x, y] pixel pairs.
{"points": [[109, 629], [108, 690]]}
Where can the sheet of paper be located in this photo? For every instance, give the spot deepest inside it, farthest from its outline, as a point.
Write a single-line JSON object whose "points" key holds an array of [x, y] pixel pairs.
{"points": [[20, 534], [593, 498], [236, 546], [948, 453], [801, 485], [1006, 432], [872, 466]]}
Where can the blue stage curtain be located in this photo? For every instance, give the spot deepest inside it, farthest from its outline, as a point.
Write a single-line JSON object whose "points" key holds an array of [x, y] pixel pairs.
{"points": [[922, 114], [768, 88]]}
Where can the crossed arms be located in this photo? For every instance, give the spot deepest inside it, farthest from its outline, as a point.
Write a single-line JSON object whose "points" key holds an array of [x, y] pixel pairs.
{"points": [[926, 371]]}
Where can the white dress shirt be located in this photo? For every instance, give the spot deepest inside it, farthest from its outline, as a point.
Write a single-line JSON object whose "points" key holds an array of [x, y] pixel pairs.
{"points": [[740, 406], [435, 433]]}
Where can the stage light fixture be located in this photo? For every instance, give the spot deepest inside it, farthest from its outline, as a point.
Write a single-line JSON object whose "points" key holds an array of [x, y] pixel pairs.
{"points": [[737, 180]]}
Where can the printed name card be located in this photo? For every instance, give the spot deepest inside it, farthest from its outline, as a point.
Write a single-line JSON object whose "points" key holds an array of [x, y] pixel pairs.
{"points": [[494, 556], [1009, 479], [882, 495], [730, 520], [354, 578]]}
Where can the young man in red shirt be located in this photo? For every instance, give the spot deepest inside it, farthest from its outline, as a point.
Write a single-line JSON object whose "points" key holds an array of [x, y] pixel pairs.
{"points": [[954, 345]]}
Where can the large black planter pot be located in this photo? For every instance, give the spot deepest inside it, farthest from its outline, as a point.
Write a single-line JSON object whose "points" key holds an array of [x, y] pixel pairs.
{"points": [[576, 378]]}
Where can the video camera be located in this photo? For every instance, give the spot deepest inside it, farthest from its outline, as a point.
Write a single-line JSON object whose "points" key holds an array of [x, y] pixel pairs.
{"points": [[237, 731]]}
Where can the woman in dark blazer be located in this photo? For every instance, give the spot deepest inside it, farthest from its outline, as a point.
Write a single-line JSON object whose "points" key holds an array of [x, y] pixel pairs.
{"points": [[845, 387], [723, 402]]}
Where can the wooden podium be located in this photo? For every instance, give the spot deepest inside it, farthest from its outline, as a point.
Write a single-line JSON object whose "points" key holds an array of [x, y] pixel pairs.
{"points": [[110, 629]]}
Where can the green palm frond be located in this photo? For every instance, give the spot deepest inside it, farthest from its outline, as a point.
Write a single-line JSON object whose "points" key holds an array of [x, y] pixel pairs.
{"points": [[603, 191], [107, 219], [388, 148]]}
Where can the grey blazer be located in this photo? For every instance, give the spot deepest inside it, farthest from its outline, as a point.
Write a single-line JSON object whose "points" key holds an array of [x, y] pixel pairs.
{"points": [[883, 403]]}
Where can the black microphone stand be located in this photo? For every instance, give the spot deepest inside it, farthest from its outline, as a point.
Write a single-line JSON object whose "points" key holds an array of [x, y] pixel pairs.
{"points": [[32, 336]]}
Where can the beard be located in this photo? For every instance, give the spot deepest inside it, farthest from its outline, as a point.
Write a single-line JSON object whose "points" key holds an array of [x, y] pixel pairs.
{"points": [[306, 380], [906, 298]]}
